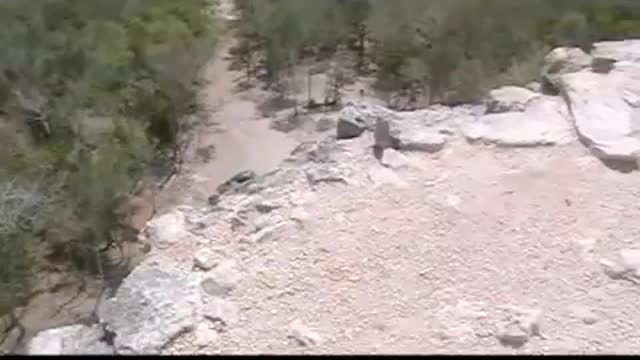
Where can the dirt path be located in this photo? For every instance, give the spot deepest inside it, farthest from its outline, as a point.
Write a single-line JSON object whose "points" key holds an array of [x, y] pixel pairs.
{"points": [[242, 141], [233, 137]]}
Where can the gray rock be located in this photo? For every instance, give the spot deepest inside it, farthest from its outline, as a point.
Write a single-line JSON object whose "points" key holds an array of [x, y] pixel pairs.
{"points": [[213, 200], [566, 60], [512, 335], [424, 140], [205, 259], [409, 134], [154, 304], [268, 233], [367, 112], [220, 313], [325, 175], [206, 335], [545, 121], [166, 230], [350, 128], [522, 324], [562, 61], [263, 221], [630, 260], [241, 180], [70, 340], [213, 288], [303, 334], [267, 206], [509, 98], [223, 279], [605, 110], [602, 65]]}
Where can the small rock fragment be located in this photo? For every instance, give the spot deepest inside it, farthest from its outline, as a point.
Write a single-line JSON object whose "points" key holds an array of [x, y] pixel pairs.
{"points": [[205, 335], [299, 215], [267, 206], [454, 201], [509, 98], [303, 334], [631, 261], [262, 222], [241, 179], [221, 313], [213, 288], [205, 259], [530, 321], [520, 328], [585, 314], [613, 270], [268, 233], [223, 279], [323, 175], [513, 335], [394, 159]]}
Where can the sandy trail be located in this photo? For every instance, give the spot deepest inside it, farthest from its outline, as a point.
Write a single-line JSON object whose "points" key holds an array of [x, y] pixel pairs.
{"points": [[235, 134]]}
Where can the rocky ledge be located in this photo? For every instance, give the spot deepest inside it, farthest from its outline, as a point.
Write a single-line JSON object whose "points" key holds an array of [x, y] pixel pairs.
{"points": [[179, 291]]}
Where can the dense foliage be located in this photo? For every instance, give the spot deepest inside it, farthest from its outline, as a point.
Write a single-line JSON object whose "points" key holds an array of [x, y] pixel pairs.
{"points": [[451, 50], [91, 91]]}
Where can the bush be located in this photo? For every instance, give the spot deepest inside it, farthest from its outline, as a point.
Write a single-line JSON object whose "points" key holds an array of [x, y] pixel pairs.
{"points": [[436, 42], [91, 92]]}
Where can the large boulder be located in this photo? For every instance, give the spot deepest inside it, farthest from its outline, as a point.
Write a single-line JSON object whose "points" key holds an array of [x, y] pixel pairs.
{"points": [[544, 121], [154, 304], [566, 60], [625, 50], [606, 110], [509, 98], [423, 130], [357, 117], [407, 135], [70, 340], [562, 61]]}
